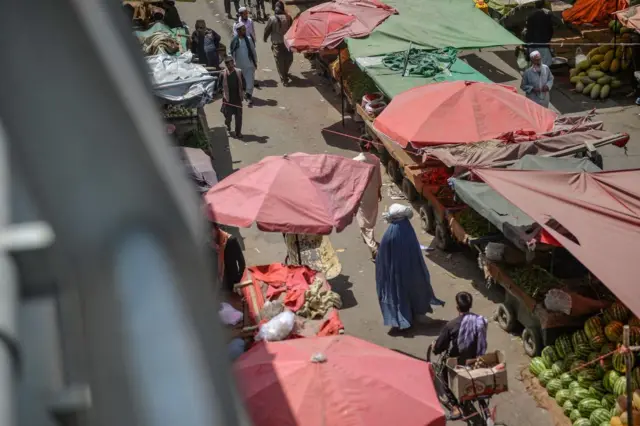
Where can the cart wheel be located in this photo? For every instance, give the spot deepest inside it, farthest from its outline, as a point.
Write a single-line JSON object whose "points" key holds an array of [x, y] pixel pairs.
{"points": [[409, 190], [393, 170], [443, 238], [507, 318], [427, 218], [531, 341]]}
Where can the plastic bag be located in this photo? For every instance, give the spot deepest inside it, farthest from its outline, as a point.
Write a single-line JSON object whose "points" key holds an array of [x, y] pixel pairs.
{"points": [[371, 97], [374, 108], [494, 251], [522, 60], [397, 212], [580, 56], [229, 315], [277, 328]]}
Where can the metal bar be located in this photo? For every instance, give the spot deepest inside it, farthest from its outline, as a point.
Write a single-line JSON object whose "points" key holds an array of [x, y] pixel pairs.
{"points": [[629, 360], [105, 177]]}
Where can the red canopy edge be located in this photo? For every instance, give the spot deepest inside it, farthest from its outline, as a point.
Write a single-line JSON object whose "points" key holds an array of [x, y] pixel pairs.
{"points": [[596, 216]]}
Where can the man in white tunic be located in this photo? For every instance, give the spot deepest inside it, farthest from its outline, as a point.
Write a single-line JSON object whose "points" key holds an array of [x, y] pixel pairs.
{"points": [[368, 211], [537, 81]]}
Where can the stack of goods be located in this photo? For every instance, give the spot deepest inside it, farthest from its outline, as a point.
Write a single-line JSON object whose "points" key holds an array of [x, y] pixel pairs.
{"points": [[475, 225], [534, 280], [373, 103], [436, 176], [177, 111], [596, 76], [585, 371], [356, 82]]}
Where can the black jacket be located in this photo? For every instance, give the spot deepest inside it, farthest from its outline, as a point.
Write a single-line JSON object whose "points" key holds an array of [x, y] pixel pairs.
{"points": [[448, 339]]}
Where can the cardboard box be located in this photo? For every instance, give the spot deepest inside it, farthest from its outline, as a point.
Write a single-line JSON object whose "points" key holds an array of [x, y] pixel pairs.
{"points": [[467, 384]]}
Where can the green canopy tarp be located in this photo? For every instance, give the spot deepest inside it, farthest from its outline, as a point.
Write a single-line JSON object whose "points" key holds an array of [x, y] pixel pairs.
{"points": [[515, 224], [432, 24], [392, 82]]}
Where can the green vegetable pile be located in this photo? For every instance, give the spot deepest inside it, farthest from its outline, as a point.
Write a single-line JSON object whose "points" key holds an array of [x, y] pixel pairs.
{"points": [[359, 84], [534, 280], [474, 224], [196, 138], [174, 111]]}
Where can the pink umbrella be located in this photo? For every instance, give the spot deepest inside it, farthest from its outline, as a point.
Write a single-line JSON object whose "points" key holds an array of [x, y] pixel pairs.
{"points": [[297, 193]]}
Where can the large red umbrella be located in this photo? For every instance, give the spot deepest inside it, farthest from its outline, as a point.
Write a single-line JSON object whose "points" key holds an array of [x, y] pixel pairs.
{"points": [[297, 193], [336, 381], [460, 112], [325, 26]]}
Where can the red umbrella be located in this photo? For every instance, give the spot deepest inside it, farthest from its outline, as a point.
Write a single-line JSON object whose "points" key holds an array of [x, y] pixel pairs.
{"points": [[297, 193], [336, 381], [325, 26], [460, 112]]}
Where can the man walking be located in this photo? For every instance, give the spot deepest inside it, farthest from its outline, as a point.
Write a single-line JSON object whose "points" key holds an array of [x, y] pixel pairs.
{"points": [[368, 211], [247, 21], [539, 32], [227, 7], [277, 26], [537, 81], [233, 84], [243, 51], [204, 44]]}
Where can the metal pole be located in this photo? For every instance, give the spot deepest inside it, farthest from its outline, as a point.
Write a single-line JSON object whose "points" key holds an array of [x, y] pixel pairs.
{"points": [[8, 298], [406, 59], [628, 365], [341, 87], [298, 248]]}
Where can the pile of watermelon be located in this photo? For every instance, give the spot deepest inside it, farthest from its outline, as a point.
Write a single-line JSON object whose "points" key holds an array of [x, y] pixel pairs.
{"points": [[588, 393]]}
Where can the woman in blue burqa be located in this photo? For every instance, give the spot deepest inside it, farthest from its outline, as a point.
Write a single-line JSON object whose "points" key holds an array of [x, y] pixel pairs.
{"points": [[402, 279]]}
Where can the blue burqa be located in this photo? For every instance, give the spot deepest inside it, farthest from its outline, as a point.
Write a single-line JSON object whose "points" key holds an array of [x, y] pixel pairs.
{"points": [[402, 278]]}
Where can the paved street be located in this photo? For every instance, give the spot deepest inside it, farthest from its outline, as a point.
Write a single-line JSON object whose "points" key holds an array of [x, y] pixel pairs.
{"points": [[291, 119]]}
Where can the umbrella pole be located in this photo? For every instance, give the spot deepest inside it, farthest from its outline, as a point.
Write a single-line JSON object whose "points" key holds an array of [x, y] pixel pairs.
{"points": [[298, 248], [341, 91]]}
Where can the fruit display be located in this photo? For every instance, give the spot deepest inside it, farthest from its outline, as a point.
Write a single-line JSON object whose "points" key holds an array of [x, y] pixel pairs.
{"points": [[596, 76], [472, 222], [584, 371], [535, 281]]}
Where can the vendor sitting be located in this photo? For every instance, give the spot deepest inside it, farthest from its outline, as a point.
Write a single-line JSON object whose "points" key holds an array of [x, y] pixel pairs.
{"points": [[229, 257], [204, 44]]}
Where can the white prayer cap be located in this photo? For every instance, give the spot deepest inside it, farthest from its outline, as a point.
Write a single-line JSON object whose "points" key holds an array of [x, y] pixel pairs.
{"points": [[242, 9], [535, 54]]}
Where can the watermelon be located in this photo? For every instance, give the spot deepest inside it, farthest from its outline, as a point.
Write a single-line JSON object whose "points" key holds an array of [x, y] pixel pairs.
{"points": [[553, 386], [613, 331], [582, 350], [634, 321], [549, 355], [607, 423], [537, 366], [582, 422], [566, 380], [635, 374], [620, 386], [596, 342], [617, 312], [609, 380], [563, 346], [574, 415], [562, 396], [569, 360], [567, 407], [579, 337], [578, 394], [574, 385], [608, 401], [576, 367], [546, 376], [606, 348], [599, 415], [587, 375], [593, 327], [596, 390], [558, 367], [587, 406], [620, 361]]}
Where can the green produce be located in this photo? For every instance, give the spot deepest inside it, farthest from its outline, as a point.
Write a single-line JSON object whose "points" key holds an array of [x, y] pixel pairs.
{"points": [[609, 380], [587, 89], [568, 362], [474, 224], [579, 394], [595, 91], [579, 87], [566, 380], [579, 338], [634, 335], [573, 72], [596, 59], [584, 65], [615, 66], [608, 401], [587, 406], [620, 386], [574, 79], [634, 321], [582, 350], [567, 407], [598, 341], [593, 326], [615, 84], [594, 75], [546, 376], [586, 80], [574, 385], [582, 422], [620, 361], [582, 73], [558, 367], [596, 391], [574, 415], [537, 366], [613, 331], [535, 281], [603, 80], [562, 396], [563, 346], [606, 90], [609, 57], [599, 415], [549, 355], [553, 386], [605, 65]]}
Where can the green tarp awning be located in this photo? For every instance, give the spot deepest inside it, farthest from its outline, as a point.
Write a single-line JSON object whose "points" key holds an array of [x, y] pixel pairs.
{"points": [[432, 24], [392, 83]]}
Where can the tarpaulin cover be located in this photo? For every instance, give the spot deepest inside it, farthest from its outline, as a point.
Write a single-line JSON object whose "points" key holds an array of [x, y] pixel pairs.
{"points": [[485, 154], [515, 224], [630, 17], [199, 168], [596, 216], [392, 83], [326, 25], [460, 112], [296, 193], [432, 25], [352, 383], [597, 12]]}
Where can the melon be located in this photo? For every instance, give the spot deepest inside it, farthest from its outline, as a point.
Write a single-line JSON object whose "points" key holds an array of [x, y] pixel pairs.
{"points": [[537, 366], [613, 331], [587, 406]]}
